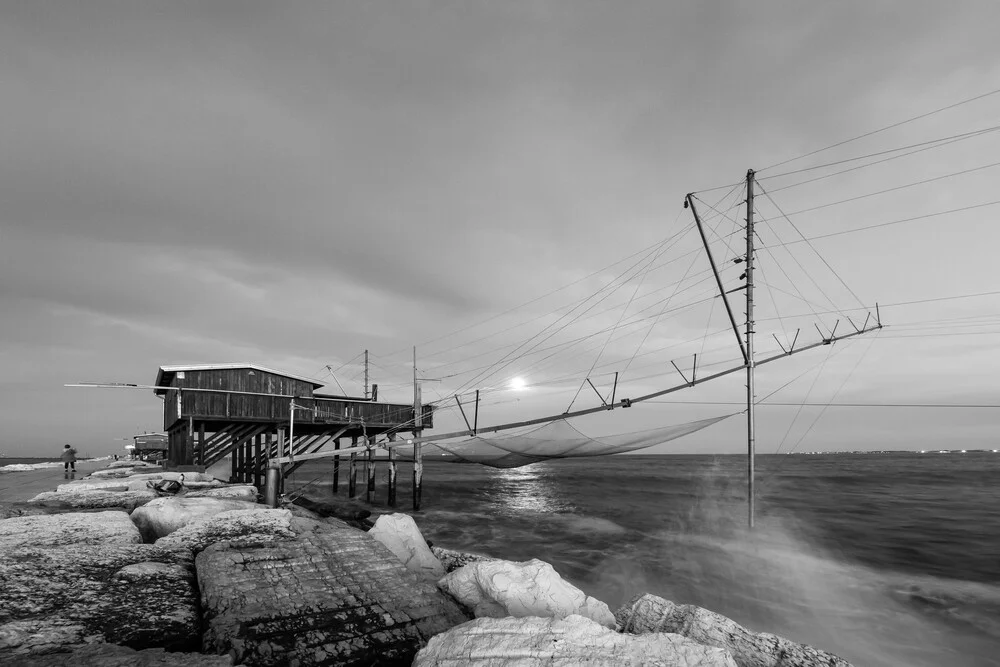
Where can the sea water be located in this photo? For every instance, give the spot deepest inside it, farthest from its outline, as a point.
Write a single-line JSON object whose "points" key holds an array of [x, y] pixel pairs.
{"points": [[884, 559]]}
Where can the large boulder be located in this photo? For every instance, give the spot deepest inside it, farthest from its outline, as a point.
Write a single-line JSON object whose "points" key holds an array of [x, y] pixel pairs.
{"points": [[55, 597], [574, 640], [331, 596], [649, 613], [97, 499], [49, 530], [163, 516], [233, 492], [499, 588], [191, 480], [113, 655], [238, 526], [452, 560], [399, 533]]}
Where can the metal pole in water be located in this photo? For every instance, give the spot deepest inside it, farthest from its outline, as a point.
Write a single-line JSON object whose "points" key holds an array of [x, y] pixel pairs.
{"points": [[273, 481], [751, 444]]}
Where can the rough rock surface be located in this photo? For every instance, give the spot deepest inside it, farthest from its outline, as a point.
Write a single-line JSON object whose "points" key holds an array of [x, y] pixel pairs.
{"points": [[19, 508], [112, 655], [158, 518], [500, 588], [238, 526], [234, 492], [191, 480], [567, 642], [126, 500], [49, 530], [399, 533], [649, 613], [452, 560], [84, 593], [331, 596]]}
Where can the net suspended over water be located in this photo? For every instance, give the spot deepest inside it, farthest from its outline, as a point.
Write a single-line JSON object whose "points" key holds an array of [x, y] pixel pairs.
{"points": [[556, 440]]}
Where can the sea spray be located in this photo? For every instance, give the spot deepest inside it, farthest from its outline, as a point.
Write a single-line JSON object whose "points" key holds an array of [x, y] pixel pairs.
{"points": [[885, 559]]}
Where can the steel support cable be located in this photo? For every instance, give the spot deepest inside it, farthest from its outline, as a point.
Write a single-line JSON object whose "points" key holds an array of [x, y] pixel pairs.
{"points": [[611, 334], [802, 297], [823, 409], [522, 323], [883, 160], [514, 344], [811, 304], [795, 259], [609, 287], [648, 248], [898, 187], [798, 412], [541, 362], [548, 337], [930, 142], [887, 224], [588, 336], [901, 303], [811, 246], [507, 358], [571, 342], [690, 266], [882, 129]]}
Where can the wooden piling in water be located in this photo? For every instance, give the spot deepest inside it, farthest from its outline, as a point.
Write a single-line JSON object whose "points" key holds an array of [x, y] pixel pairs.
{"points": [[418, 474], [352, 475], [233, 465], [370, 469], [336, 467], [392, 471], [258, 460]]}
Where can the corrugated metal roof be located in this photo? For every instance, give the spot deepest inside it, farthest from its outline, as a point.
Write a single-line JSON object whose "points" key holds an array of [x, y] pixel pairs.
{"points": [[170, 370]]}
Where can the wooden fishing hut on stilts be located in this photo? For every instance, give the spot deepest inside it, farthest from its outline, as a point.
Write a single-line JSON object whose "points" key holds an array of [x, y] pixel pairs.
{"points": [[260, 417]]}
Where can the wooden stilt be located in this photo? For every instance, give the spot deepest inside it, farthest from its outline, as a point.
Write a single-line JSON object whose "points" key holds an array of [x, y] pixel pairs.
{"points": [[336, 467], [201, 445], [233, 462], [189, 442], [418, 475], [370, 469], [392, 472], [258, 460], [352, 476]]}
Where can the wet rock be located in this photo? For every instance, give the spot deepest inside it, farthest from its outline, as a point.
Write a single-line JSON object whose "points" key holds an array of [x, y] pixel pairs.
{"points": [[58, 596], [649, 613], [18, 508], [347, 511], [162, 516], [575, 640], [498, 588], [112, 655], [191, 480], [255, 526], [47, 530], [331, 596], [452, 560], [399, 533], [233, 492], [95, 499]]}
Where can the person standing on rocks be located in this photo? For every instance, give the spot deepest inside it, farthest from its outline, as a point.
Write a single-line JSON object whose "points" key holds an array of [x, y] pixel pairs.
{"points": [[68, 457]]}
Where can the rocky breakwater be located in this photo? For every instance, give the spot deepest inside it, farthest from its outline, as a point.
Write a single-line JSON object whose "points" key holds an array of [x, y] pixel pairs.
{"points": [[528, 615], [207, 576]]}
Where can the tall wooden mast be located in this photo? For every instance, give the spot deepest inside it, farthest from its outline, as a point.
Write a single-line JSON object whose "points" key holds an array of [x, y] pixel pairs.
{"points": [[751, 444]]}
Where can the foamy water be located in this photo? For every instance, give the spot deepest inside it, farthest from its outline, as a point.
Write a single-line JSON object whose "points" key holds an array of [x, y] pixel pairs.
{"points": [[885, 560]]}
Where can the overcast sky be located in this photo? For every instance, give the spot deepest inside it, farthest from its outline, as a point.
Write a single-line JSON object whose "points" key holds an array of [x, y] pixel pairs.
{"points": [[292, 183]]}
